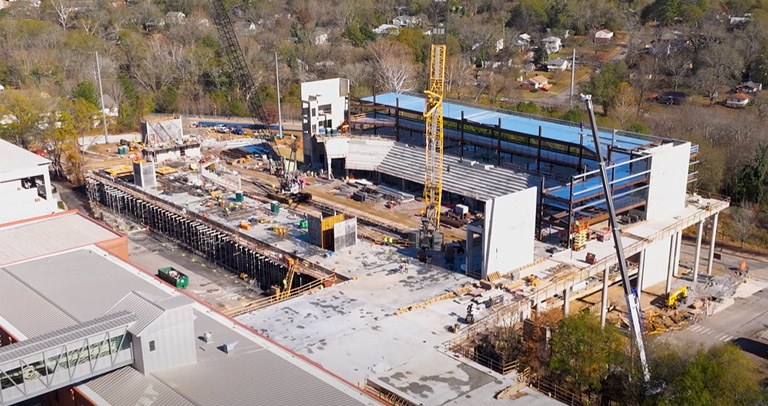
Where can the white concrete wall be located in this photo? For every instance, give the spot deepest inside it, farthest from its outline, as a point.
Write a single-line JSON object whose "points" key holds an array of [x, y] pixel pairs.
{"points": [[510, 224], [333, 92], [174, 336], [17, 203], [668, 181], [656, 262]]}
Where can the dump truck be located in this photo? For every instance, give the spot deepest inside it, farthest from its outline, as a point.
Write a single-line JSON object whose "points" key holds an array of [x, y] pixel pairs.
{"points": [[174, 277]]}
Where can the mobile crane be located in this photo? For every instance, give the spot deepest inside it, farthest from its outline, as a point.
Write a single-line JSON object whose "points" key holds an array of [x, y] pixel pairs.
{"points": [[430, 237], [632, 305]]}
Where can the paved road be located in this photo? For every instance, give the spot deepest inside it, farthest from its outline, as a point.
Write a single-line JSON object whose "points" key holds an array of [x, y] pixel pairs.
{"points": [[738, 323]]}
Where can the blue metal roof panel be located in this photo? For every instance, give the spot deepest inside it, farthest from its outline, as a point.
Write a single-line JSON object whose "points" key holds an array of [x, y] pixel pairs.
{"points": [[512, 122]]}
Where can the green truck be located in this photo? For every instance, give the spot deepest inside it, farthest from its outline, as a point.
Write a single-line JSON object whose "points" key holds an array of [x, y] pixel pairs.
{"points": [[174, 277]]}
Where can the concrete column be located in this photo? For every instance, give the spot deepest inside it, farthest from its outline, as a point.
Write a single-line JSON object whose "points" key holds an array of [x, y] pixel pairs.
{"points": [[678, 250], [712, 244], [640, 274], [697, 255], [670, 268], [604, 298], [566, 301]]}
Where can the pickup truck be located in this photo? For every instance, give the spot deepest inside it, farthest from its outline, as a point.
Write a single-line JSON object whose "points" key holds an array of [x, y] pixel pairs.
{"points": [[222, 129]]}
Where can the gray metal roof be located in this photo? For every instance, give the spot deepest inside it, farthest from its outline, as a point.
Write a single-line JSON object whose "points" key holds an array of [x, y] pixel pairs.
{"points": [[148, 308], [251, 375], [477, 182], [13, 157], [65, 336], [27, 311], [220, 379], [127, 386], [53, 234], [144, 308], [83, 283]]}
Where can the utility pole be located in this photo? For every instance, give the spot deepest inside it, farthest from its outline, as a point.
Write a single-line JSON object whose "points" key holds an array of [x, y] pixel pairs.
{"points": [[101, 97], [573, 76], [279, 108]]}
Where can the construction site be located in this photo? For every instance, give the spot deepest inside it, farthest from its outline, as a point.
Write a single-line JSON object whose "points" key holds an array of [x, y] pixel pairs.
{"points": [[399, 240]]}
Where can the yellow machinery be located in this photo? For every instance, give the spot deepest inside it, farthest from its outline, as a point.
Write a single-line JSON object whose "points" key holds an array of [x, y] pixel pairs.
{"points": [[284, 292], [429, 234], [677, 296]]}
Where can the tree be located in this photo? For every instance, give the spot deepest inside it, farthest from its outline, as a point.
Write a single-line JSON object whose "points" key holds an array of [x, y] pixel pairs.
{"points": [[626, 103], [743, 221], [540, 56], [87, 92], [750, 186], [604, 87], [720, 64], [722, 375], [393, 67], [583, 352], [23, 111]]}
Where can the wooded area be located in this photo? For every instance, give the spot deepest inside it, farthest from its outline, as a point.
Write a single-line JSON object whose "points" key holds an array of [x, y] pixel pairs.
{"points": [[164, 56]]}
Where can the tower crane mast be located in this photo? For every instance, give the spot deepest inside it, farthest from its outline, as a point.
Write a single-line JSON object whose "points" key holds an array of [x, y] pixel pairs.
{"points": [[430, 236]]}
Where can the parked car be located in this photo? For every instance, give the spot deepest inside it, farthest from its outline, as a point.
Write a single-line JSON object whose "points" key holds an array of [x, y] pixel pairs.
{"points": [[221, 129], [238, 131]]}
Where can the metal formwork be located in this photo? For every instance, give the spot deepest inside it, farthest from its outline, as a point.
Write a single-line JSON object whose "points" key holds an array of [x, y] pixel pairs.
{"points": [[214, 245]]}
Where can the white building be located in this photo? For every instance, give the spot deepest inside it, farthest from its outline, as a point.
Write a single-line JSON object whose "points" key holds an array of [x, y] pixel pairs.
{"points": [[324, 108], [557, 65], [25, 184], [603, 36], [552, 44]]}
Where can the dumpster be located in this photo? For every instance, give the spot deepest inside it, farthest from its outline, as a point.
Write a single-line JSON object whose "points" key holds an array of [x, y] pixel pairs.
{"points": [[174, 277]]}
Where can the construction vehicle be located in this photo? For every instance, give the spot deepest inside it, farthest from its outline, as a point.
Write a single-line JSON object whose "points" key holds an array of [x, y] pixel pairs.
{"points": [[633, 306], [289, 191], [284, 292], [430, 237], [676, 297]]}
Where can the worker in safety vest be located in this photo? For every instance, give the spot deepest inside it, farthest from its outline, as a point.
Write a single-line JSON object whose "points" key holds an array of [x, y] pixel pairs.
{"points": [[743, 268]]}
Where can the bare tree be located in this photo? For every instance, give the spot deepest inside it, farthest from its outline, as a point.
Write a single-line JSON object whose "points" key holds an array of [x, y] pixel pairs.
{"points": [[720, 65], [64, 10], [743, 221], [393, 66]]}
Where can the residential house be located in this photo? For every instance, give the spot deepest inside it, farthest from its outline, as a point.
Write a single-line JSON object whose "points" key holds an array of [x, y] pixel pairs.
{"points": [[749, 87], [523, 41], [737, 100], [499, 45], [111, 108], [557, 65], [174, 17], [603, 36], [735, 21], [537, 82], [407, 21], [387, 29], [552, 44], [320, 36], [2, 88]]}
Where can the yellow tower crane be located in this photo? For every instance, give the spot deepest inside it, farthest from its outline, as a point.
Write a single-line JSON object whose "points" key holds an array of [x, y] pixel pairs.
{"points": [[430, 236]]}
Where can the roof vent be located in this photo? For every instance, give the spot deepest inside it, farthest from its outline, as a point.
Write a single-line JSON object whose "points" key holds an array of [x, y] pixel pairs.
{"points": [[229, 347], [207, 337]]}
